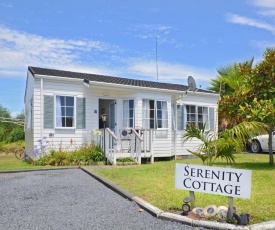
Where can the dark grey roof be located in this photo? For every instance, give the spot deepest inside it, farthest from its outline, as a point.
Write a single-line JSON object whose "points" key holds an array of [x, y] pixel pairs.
{"points": [[109, 79]]}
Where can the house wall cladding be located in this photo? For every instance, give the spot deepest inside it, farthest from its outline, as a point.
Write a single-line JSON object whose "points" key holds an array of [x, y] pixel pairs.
{"points": [[167, 142], [43, 110]]}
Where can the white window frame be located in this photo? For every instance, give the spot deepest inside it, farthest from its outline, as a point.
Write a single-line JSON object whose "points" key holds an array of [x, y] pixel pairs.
{"points": [[74, 112], [155, 111], [193, 116], [127, 111]]}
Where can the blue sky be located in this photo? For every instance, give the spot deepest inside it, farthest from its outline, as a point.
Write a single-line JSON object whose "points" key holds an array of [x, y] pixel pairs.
{"points": [[118, 38]]}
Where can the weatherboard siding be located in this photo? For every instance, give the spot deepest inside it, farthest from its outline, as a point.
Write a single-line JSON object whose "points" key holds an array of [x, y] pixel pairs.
{"points": [[166, 142]]}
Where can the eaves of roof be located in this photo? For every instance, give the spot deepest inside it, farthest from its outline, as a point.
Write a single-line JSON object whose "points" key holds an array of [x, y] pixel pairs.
{"points": [[110, 79]]}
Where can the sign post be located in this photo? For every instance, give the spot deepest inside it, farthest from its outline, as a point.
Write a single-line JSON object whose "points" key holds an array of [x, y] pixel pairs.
{"points": [[215, 180]]}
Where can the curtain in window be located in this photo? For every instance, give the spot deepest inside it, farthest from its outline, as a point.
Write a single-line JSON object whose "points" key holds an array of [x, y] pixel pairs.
{"points": [[180, 117], [145, 114], [173, 110], [126, 113], [205, 117], [58, 112], [164, 112]]}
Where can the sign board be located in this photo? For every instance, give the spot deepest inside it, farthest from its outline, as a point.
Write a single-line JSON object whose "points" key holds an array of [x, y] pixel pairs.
{"points": [[215, 180]]}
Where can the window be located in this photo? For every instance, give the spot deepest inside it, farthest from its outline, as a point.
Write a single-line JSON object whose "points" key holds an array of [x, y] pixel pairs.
{"points": [[154, 114], [128, 113], [64, 112], [197, 115]]}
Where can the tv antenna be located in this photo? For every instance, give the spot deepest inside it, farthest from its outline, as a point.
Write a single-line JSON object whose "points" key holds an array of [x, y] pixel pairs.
{"points": [[157, 68]]}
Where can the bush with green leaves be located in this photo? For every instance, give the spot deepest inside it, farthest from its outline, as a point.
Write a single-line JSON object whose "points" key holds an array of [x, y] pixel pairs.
{"points": [[9, 131], [85, 155]]}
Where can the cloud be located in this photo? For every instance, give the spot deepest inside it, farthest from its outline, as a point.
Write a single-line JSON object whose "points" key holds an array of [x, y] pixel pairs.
{"points": [[266, 7], [173, 73], [264, 3], [237, 19], [19, 49], [149, 31], [263, 44]]}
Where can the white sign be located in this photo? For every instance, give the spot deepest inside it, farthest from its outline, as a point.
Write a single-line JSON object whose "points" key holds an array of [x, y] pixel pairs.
{"points": [[220, 181]]}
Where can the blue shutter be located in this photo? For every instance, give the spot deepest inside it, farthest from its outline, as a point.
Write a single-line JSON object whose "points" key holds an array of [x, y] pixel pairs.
{"points": [[212, 118], [80, 113], [48, 112]]}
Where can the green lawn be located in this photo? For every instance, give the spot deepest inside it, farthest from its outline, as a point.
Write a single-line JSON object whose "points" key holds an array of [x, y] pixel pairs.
{"points": [[10, 162], [155, 184]]}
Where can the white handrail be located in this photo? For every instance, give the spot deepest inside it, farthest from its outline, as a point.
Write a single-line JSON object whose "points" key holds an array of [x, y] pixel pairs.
{"points": [[112, 134], [110, 145]]}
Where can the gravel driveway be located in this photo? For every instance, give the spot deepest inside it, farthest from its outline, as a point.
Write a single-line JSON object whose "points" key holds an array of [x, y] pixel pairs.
{"points": [[69, 199]]}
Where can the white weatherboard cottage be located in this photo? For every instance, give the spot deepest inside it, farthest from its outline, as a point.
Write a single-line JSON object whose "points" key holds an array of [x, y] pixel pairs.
{"points": [[144, 119]]}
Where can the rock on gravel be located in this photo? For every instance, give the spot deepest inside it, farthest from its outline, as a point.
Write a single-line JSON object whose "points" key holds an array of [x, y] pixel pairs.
{"points": [[69, 199]]}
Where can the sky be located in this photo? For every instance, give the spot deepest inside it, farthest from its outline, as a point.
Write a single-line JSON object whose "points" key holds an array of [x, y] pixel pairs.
{"points": [[155, 40]]}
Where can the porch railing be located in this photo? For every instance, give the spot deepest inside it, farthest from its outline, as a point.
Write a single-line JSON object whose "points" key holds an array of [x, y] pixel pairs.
{"points": [[140, 144], [110, 145], [136, 146], [146, 143]]}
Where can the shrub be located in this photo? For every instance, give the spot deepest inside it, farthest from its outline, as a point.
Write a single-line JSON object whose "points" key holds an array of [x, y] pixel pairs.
{"points": [[16, 134], [85, 155]]}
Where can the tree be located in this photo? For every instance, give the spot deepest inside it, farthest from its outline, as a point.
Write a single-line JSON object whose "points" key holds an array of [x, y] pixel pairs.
{"points": [[4, 112], [262, 88], [223, 146], [264, 111], [11, 129], [231, 78], [20, 115]]}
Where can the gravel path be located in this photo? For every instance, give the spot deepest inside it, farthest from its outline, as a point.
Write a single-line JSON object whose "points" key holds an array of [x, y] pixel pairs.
{"points": [[68, 199]]}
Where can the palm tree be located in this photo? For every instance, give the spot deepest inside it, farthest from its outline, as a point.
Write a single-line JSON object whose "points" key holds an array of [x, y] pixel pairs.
{"points": [[231, 78], [225, 144]]}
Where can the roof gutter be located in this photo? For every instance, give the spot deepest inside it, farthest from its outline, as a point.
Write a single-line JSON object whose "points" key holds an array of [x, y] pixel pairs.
{"points": [[152, 89], [88, 83]]}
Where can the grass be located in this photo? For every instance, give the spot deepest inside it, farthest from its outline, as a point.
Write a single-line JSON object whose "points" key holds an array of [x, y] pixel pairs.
{"points": [[9, 162], [155, 184], [11, 147]]}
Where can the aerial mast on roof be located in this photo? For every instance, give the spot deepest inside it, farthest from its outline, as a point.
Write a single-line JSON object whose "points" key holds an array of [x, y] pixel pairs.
{"points": [[157, 69]]}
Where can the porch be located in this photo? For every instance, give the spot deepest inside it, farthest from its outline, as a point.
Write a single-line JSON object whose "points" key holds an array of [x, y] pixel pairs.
{"points": [[129, 143]]}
